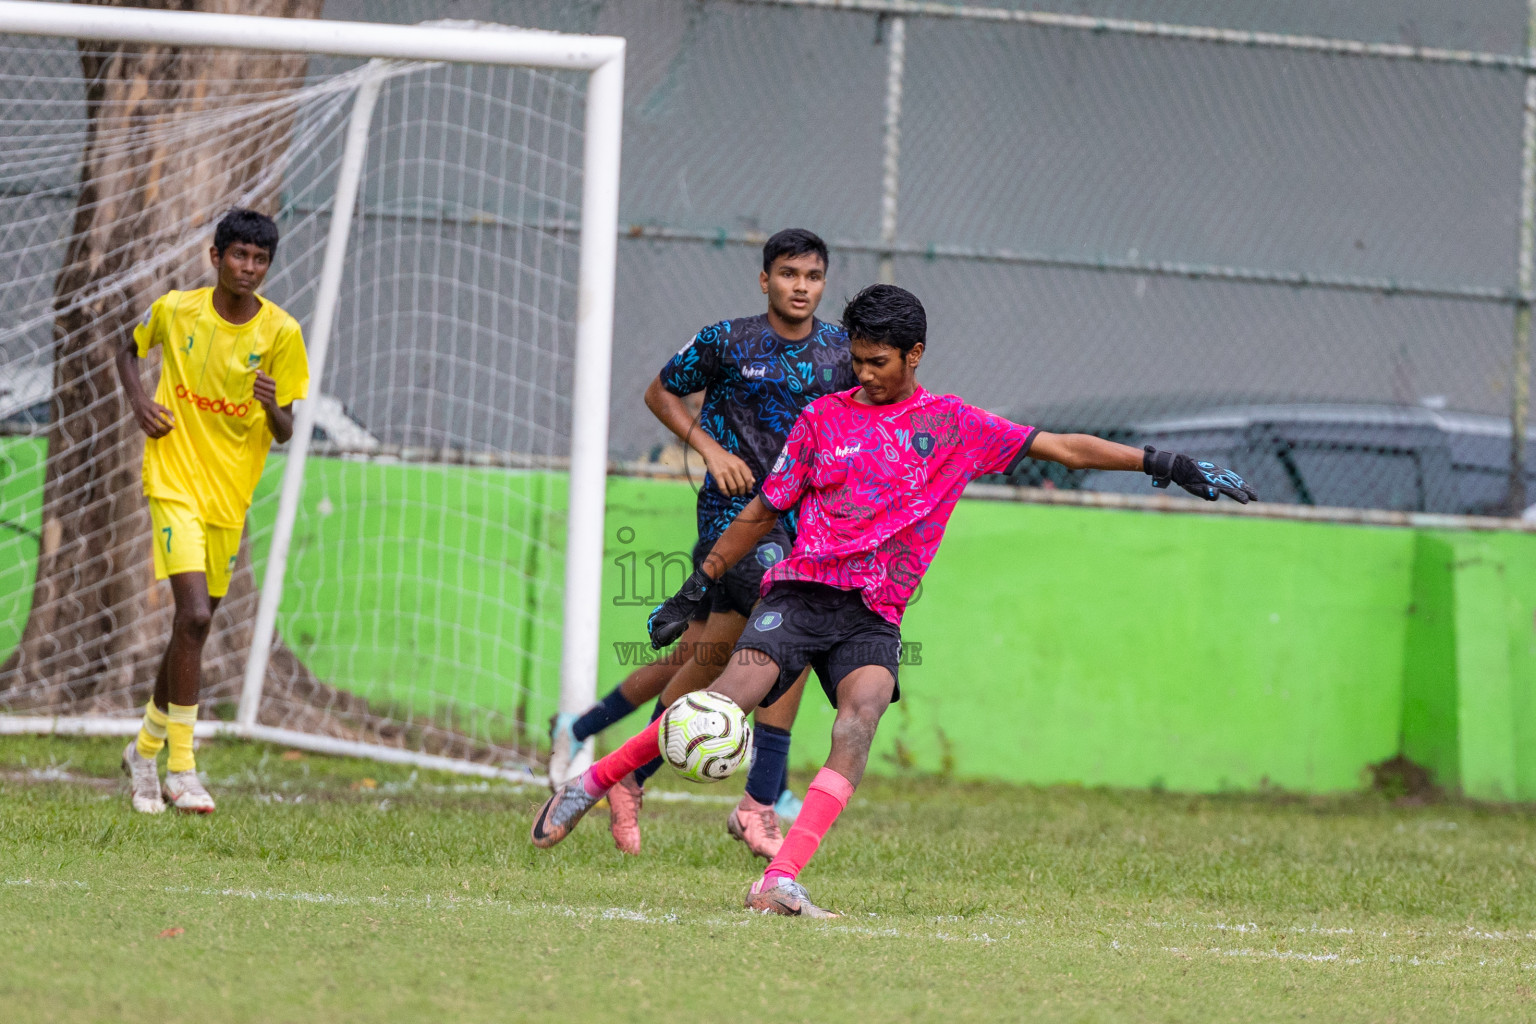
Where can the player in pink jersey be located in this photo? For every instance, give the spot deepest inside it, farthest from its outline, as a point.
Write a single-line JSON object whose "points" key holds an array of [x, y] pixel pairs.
{"points": [[876, 471]]}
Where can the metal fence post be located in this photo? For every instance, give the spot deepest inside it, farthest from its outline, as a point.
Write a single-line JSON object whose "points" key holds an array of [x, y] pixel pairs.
{"points": [[895, 70], [1520, 371]]}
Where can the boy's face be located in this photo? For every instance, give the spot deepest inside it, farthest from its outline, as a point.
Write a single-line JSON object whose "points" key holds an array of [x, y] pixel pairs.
{"points": [[883, 372], [794, 285], [241, 267]]}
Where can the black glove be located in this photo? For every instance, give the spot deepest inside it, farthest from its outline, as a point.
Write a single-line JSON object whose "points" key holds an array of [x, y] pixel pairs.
{"points": [[669, 620], [1202, 479]]}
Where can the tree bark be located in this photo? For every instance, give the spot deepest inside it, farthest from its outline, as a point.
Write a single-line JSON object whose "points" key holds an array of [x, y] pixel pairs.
{"points": [[154, 179]]}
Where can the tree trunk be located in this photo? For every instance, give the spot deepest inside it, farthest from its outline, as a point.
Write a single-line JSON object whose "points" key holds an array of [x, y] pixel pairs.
{"points": [[148, 200]]}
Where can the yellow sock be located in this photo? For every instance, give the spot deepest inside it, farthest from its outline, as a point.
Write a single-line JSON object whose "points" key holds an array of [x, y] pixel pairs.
{"points": [[152, 732], [178, 731]]}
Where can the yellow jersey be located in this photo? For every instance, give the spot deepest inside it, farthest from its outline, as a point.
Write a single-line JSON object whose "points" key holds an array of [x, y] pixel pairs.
{"points": [[213, 456]]}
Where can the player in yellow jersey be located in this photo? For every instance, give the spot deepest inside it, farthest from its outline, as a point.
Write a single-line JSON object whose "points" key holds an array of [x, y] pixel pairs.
{"points": [[232, 366]]}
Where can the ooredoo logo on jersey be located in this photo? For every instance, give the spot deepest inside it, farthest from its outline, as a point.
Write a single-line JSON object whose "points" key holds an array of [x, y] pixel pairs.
{"points": [[213, 405]]}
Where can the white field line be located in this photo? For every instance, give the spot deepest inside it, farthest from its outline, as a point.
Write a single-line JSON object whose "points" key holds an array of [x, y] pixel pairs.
{"points": [[61, 773], [552, 909], [1274, 954], [675, 796], [1337, 958], [388, 790], [56, 773], [851, 926], [429, 902], [1313, 929], [1473, 933]]}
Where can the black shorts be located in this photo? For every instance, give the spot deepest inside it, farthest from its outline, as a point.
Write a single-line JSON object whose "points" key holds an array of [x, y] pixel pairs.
{"points": [[833, 631], [738, 590]]}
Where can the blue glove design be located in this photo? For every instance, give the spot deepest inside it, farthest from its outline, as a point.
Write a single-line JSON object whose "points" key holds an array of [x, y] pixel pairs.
{"points": [[1202, 479]]}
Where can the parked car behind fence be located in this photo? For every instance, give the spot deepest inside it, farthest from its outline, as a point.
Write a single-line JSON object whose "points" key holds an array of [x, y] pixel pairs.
{"points": [[1401, 458]]}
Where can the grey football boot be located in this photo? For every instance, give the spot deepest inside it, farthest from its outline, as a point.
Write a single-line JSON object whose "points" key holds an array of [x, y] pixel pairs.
{"points": [[788, 897], [561, 812]]}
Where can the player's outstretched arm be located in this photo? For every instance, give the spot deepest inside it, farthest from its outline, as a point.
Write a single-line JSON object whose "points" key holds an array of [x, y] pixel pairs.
{"points": [[670, 618], [732, 475], [152, 417], [1084, 451]]}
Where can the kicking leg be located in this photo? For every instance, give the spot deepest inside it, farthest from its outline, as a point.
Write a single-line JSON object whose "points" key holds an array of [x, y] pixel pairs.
{"points": [[706, 662], [747, 679], [568, 731], [699, 665], [862, 697]]}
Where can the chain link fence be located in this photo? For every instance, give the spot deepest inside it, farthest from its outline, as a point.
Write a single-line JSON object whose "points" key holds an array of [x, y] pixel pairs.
{"points": [[1286, 236]]}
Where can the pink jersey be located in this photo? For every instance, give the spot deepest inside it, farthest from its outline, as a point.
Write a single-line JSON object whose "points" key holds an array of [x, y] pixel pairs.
{"points": [[876, 485]]}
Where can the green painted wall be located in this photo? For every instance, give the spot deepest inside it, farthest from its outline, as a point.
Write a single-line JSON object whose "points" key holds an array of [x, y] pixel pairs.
{"points": [[1057, 644], [1138, 649], [21, 514], [1471, 712], [1430, 723]]}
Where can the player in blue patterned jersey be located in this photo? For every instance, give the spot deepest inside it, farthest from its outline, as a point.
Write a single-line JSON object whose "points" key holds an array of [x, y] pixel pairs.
{"points": [[755, 383], [756, 373]]}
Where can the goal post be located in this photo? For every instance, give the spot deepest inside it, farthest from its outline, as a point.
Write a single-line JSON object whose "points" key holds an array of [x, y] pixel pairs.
{"points": [[347, 179], [473, 293]]}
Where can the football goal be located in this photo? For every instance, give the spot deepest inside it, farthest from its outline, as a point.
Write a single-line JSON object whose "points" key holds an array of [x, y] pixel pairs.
{"points": [[420, 573]]}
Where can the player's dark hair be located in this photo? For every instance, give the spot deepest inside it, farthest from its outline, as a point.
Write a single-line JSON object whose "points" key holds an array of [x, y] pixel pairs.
{"points": [[793, 242], [248, 226], [886, 315]]}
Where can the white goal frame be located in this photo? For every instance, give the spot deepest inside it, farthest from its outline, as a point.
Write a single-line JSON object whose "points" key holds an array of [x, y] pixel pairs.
{"points": [[603, 58]]}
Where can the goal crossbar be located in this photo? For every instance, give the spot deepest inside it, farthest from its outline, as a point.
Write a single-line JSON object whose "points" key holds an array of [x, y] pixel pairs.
{"points": [[528, 47], [603, 58]]}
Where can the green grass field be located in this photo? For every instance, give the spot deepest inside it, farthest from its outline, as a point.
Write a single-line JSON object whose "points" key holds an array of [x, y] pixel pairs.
{"points": [[338, 891]]}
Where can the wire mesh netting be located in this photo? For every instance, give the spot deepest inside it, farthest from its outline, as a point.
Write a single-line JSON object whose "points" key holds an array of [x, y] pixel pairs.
{"points": [[423, 599], [1115, 231]]}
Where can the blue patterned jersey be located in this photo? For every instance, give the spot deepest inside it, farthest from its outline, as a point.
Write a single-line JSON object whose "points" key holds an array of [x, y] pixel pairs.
{"points": [[755, 383]]}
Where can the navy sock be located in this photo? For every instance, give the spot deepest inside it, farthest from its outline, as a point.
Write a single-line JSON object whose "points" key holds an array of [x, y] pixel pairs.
{"points": [[602, 714], [650, 768], [770, 746], [784, 777]]}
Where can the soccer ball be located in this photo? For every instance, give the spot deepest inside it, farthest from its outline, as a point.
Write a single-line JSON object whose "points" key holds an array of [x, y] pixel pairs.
{"points": [[705, 736]]}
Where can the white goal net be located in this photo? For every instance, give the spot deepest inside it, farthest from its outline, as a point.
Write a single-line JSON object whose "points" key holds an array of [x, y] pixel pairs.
{"points": [[409, 560]]}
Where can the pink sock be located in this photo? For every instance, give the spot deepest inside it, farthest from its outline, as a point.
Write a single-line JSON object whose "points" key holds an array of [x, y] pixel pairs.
{"points": [[824, 800], [640, 749]]}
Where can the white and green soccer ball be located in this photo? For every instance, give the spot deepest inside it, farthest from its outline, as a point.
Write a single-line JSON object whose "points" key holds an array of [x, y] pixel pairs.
{"points": [[705, 736]]}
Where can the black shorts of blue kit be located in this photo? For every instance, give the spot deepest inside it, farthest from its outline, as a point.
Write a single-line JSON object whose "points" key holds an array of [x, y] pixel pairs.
{"points": [[738, 590], [832, 630]]}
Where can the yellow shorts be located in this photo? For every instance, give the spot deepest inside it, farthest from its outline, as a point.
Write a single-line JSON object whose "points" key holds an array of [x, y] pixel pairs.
{"points": [[184, 543]]}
